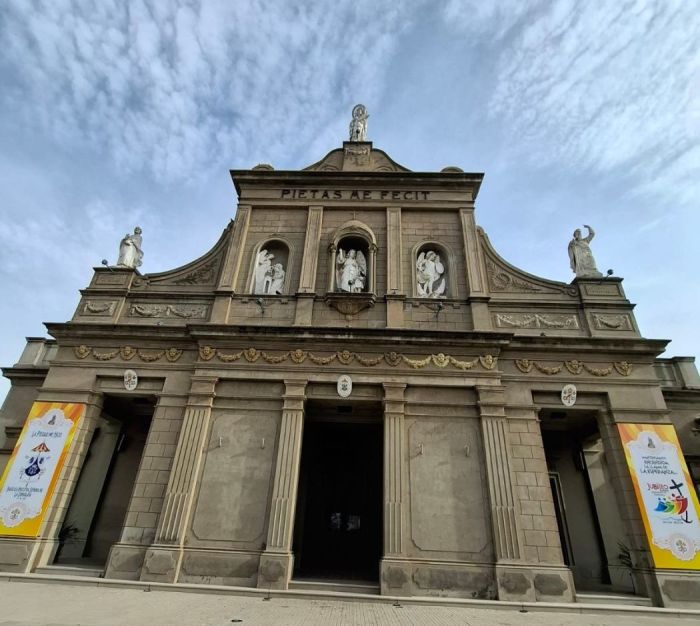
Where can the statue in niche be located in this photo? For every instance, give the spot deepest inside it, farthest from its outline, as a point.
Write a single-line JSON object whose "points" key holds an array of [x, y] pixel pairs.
{"points": [[269, 278], [358, 125], [130, 253], [580, 255], [351, 271], [429, 270], [277, 279]]}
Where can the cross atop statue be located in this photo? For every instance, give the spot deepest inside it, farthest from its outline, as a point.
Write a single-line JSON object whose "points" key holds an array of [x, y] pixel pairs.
{"points": [[358, 125]]}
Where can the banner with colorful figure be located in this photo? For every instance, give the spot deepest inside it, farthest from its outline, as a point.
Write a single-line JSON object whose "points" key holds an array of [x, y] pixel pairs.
{"points": [[665, 494], [31, 474]]}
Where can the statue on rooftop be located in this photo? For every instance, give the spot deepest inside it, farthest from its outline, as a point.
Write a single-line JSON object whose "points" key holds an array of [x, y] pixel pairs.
{"points": [[130, 252], [580, 255], [358, 125]]}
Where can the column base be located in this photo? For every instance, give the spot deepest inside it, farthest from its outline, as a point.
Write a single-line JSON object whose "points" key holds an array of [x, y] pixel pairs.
{"points": [[679, 589], [17, 555], [527, 583], [159, 563], [403, 577], [201, 566], [275, 570]]}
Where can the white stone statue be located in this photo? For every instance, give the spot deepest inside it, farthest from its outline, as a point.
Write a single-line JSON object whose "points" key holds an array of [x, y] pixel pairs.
{"points": [[277, 281], [130, 253], [429, 269], [268, 278], [351, 271], [358, 125], [580, 255]]}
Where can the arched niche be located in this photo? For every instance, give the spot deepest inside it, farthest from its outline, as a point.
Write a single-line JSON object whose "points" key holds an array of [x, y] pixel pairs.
{"points": [[432, 271], [352, 243], [269, 273]]}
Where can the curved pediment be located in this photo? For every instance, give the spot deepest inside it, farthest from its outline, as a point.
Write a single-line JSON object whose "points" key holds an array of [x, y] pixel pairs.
{"points": [[202, 272], [504, 278], [356, 156]]}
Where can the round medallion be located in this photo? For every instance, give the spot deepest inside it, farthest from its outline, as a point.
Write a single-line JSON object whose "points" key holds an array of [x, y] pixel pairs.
{"points": [[344, 386], [568, 395], [131, 380]]}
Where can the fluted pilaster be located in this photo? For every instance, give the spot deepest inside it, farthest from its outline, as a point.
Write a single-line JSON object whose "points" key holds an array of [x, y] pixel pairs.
{"points": [[394, 474], [188, 457], [504, 520]]}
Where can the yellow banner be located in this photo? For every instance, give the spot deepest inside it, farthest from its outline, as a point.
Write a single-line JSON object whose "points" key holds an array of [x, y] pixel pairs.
{"points": [[32, 472], [665, 494]]}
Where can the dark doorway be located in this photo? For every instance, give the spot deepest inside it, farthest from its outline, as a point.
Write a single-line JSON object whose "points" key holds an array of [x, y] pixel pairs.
{"points": [[585, 502], [338, 532], [101, 497]]}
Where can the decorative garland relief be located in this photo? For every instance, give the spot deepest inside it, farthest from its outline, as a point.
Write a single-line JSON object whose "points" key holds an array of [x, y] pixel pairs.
{"points": [[345, 357], [573, 367], [127, 353]]}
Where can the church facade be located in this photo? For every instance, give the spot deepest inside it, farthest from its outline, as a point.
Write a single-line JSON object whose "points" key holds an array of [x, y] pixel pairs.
{"points": [[353, 388]]}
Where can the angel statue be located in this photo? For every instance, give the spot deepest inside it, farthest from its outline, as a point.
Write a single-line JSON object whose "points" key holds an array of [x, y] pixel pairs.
{"points": [[351, 271], [580, 255], [429, 269], [130, 253], [358, 125]]}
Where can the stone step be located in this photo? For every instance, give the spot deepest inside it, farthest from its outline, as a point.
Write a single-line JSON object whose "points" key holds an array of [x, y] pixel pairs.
{"points": [[71, 570], [335, 586], [619, 599]]}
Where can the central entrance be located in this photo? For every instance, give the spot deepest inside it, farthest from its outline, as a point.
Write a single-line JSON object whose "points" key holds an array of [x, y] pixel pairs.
{"points": [[338, 528]]}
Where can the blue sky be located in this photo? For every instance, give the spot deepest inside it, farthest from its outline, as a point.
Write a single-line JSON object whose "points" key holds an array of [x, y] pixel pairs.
{"points": [[117, 113]]}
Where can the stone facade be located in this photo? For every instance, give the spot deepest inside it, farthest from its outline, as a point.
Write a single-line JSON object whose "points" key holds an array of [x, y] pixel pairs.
{"points": [[465, 390]]}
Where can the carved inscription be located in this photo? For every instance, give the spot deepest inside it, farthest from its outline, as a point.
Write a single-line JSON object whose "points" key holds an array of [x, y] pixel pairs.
{"points": [[353, 194]]}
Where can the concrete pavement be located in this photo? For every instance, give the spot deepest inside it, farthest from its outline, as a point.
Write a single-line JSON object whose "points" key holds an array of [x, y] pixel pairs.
{"points": [[54, 602]]}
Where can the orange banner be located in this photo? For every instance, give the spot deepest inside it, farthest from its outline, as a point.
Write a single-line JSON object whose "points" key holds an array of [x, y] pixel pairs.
{"points": [[32, 472], [665, 494]]}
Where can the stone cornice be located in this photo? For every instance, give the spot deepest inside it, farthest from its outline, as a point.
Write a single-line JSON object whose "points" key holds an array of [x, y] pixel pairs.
{"points": [[536, 346], [320, 179]]}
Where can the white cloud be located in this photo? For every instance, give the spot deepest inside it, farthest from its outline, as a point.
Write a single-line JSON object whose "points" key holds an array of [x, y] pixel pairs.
{"points": [[176, 87], [603, 86]]}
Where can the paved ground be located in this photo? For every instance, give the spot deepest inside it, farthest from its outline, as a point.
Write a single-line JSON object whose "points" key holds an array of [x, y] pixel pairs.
{"points": [[59, 604]]}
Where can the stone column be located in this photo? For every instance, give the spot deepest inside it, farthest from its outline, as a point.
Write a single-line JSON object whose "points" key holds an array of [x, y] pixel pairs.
{"points": [[309, 262], [162, 563], [277, 562], [394, 293], [476, 274]]}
